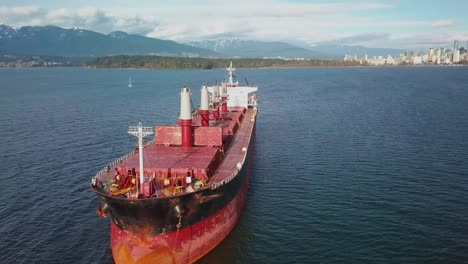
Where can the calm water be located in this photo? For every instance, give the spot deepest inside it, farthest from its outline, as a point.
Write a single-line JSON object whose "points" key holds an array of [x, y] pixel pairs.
{"points": [[352, 165]]}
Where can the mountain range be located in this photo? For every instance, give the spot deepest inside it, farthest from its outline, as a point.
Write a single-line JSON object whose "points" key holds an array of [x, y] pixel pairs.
{"points": [[258, 49], [74, 42], [56, 41]]}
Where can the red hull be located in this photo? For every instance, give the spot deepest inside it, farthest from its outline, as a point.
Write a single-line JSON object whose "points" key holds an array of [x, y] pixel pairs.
{"points": [[184, 246]]}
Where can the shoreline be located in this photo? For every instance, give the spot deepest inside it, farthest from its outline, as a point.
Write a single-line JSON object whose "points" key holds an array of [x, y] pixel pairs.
{"points": [[285, 67], [268, 67]]}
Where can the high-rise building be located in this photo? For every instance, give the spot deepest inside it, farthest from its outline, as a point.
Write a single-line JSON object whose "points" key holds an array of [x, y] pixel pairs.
{"points": [[430, 55], [455, 44], [456, 56]]}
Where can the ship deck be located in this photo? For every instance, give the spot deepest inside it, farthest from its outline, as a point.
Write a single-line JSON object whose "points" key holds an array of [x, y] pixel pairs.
{"points": [[235, 157], [159, 157], [166, 165]]}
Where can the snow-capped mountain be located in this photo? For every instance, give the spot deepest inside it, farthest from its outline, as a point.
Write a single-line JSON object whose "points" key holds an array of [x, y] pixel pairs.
{"points": [[6, 32], [257, 49], [77, 42], [118, 35], [251, 48]]}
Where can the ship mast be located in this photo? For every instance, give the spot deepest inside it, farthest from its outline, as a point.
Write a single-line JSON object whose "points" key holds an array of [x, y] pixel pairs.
{"points": [[231, 75], [140, 131]]}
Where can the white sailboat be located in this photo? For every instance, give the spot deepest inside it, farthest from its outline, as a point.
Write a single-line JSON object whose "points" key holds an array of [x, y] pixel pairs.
{"points": [[130, 82]]}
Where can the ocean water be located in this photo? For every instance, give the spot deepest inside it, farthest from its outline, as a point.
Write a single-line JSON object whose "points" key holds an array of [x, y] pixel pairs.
{"points": [[352, 165]]}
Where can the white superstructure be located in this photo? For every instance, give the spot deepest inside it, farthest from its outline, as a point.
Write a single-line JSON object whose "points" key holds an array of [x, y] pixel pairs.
{"points": [[237, 96]]}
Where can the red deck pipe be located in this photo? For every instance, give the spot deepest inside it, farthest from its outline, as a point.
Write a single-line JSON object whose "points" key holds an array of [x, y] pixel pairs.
{"points": [[224, 105], [216, 111], [185, 121], [204, 107], [205, 117], [186, 127]]}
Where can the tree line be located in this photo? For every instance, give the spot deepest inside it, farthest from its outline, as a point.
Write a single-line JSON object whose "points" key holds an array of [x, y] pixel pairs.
{"points": [[160, 62]]}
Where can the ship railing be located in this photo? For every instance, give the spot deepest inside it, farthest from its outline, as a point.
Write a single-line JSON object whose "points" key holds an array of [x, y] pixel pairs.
{"points": [[216, 185], [113, 163]]}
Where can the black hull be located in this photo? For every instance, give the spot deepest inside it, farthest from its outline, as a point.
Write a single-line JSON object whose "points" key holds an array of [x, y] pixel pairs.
{"points": [[162, 214]]}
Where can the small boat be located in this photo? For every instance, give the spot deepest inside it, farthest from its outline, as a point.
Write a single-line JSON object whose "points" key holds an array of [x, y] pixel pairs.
{"points": [[130, 82]]}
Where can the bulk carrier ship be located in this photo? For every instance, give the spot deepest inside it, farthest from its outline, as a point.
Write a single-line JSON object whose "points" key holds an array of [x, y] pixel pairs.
{"points": [[176, 198]]}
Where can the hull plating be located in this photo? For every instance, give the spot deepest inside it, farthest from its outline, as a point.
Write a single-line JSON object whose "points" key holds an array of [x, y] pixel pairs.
{"points": [[186, 245], [208, 217]]}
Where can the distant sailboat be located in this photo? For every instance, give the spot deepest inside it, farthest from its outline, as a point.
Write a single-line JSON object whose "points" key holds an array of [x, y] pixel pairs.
{"points": [[130, 82]]}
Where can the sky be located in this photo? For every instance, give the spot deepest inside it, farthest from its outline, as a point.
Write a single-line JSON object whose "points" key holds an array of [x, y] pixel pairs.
{"points": [[404, 24]]}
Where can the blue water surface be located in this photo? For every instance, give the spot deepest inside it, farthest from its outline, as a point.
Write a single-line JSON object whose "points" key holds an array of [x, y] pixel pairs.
{"points": [[352, 165]]}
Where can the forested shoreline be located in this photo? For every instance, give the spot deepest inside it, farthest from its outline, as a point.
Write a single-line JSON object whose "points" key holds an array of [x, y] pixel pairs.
{"points": [[160, 62]]}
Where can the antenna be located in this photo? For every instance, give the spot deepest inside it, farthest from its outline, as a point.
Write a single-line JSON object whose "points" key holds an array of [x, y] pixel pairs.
{"points": [[140, 131]]}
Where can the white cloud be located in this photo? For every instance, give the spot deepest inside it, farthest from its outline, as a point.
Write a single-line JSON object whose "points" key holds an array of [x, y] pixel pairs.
{"points": [[87, 18], [353, 23], [27, 11], [135, 24], [445, 23], [430, 40], [83, 18], [205, 18], [359, 39], [282, 9], [172, 32], [18, 16], [421, 41]]}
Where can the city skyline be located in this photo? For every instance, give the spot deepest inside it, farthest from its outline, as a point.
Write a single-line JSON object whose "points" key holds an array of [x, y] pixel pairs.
{"points": [[439, 56], [415, 25]]}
